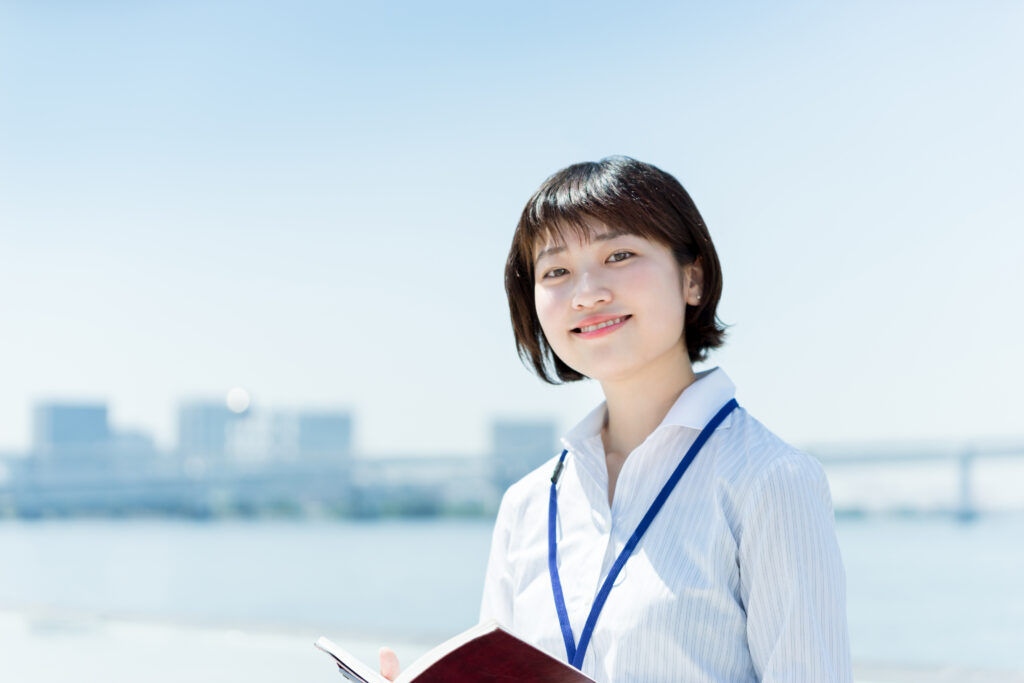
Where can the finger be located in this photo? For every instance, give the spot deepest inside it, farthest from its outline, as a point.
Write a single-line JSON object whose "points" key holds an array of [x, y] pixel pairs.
{"points": [[389, 664]]}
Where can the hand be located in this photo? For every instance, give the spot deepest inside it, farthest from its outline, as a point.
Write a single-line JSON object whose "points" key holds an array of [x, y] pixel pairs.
{"points": [[389, 667]]}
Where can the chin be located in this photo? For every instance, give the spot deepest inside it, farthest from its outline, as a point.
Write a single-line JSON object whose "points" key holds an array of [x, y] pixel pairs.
{"points": [[606, 373]]}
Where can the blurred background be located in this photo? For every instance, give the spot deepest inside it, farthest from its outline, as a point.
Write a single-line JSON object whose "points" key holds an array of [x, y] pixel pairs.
{"points": [[258, 382]]}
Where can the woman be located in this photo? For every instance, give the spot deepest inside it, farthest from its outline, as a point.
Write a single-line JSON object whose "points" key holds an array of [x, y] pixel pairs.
{"points": [[675, 538]]}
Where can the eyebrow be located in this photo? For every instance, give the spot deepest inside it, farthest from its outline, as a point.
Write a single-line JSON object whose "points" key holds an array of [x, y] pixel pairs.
{"points": [[603, 237]]}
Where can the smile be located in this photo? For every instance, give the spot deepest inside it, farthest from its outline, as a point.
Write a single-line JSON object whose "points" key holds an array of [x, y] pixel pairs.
{"points": [[588, 330]]}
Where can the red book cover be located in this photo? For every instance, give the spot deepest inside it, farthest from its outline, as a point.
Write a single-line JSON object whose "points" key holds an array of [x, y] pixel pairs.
{"points": [[486, 652]]}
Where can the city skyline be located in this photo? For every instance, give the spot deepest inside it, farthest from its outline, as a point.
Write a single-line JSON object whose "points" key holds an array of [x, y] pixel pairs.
{"points": [[229, 461], [86, 424]]}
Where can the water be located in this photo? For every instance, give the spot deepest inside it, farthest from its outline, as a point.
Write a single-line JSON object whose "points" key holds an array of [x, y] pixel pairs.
{"points": [[936, 591], [419, 579], [920, 591]]}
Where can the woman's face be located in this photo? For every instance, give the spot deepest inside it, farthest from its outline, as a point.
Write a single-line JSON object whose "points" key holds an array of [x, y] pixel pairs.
{"points": [[611, 304]]}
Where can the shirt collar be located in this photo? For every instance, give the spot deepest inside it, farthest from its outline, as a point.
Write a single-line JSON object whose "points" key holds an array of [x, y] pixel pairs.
{"points": [[701, 400], [693, 409]]}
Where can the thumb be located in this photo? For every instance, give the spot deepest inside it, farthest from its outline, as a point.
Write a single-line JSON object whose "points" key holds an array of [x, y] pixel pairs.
{"points": [[389, 667]]}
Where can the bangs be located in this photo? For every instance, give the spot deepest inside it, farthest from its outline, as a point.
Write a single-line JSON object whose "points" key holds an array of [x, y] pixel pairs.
{"points": [[570, 201]]}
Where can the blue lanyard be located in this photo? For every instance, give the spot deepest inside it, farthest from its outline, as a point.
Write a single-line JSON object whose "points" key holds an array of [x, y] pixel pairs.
{"points": [[576, 653]]}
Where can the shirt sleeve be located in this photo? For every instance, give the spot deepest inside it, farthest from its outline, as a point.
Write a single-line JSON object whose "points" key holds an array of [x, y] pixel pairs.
{"points": [[497, 599], [792, 581]]}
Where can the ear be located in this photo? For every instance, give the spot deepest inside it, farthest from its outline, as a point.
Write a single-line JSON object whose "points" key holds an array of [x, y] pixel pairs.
{"points": [[693, 282]]}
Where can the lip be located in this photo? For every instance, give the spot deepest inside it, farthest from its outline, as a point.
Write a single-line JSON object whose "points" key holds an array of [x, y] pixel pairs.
{"points": [[597, 320]]}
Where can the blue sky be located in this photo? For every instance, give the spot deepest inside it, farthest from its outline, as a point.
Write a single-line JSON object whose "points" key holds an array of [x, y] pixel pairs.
{"points": [[314, 200]]}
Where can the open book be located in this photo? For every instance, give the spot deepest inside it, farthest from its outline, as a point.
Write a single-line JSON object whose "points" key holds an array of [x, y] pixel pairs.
{"points": [[486, 652]]}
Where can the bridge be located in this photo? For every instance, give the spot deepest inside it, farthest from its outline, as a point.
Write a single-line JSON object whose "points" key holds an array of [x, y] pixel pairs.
{"points": [[964, 461]]}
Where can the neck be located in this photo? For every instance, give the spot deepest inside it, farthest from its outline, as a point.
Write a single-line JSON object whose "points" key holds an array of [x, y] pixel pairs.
{"points": [[637, 404]]}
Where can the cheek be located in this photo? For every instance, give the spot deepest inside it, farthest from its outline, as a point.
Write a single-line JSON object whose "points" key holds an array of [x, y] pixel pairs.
{"points": [[546, 303], [666, 304]]}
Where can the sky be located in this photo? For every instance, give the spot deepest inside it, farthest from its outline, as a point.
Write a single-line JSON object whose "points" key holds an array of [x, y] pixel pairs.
{"points": [[314, 200]]}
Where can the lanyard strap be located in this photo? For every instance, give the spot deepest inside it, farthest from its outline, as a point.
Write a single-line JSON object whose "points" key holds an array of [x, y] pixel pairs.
{"points": [[576, 653]]}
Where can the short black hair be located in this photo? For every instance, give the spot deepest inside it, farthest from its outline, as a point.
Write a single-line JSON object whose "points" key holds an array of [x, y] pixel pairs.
{"points": [[627, 195]]}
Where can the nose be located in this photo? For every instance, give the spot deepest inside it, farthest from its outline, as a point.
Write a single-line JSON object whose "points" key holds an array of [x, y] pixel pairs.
{"points": [[590, 292]]}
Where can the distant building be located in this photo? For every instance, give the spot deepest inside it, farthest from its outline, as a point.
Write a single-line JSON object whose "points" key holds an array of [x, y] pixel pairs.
{"points": [[132, 443], [520, 446], [261, 437], [202, 428], [284, 437], [324, 435], [69, 427]]}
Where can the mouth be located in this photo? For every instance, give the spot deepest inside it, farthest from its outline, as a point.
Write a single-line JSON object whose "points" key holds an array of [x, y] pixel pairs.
{"points": [[602, 325]]}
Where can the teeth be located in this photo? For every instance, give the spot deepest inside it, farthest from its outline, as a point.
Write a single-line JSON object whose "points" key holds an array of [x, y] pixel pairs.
{"points": [[606, 323]]}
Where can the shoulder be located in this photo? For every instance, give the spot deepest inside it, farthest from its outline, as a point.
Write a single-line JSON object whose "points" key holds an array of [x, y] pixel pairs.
{"points": [[754, 462], [529, 491]]}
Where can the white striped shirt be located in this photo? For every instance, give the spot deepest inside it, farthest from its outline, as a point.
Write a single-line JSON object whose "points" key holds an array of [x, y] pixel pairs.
{"points": [[738, 578]]}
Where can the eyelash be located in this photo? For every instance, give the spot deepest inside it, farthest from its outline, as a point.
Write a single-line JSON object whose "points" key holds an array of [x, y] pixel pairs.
{"points": [[611, 259], [554, 272], [627, 254]]}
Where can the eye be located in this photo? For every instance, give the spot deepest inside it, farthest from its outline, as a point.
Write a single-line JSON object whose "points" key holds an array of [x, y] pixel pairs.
{"points": [[620, 256], [555, 272]]}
